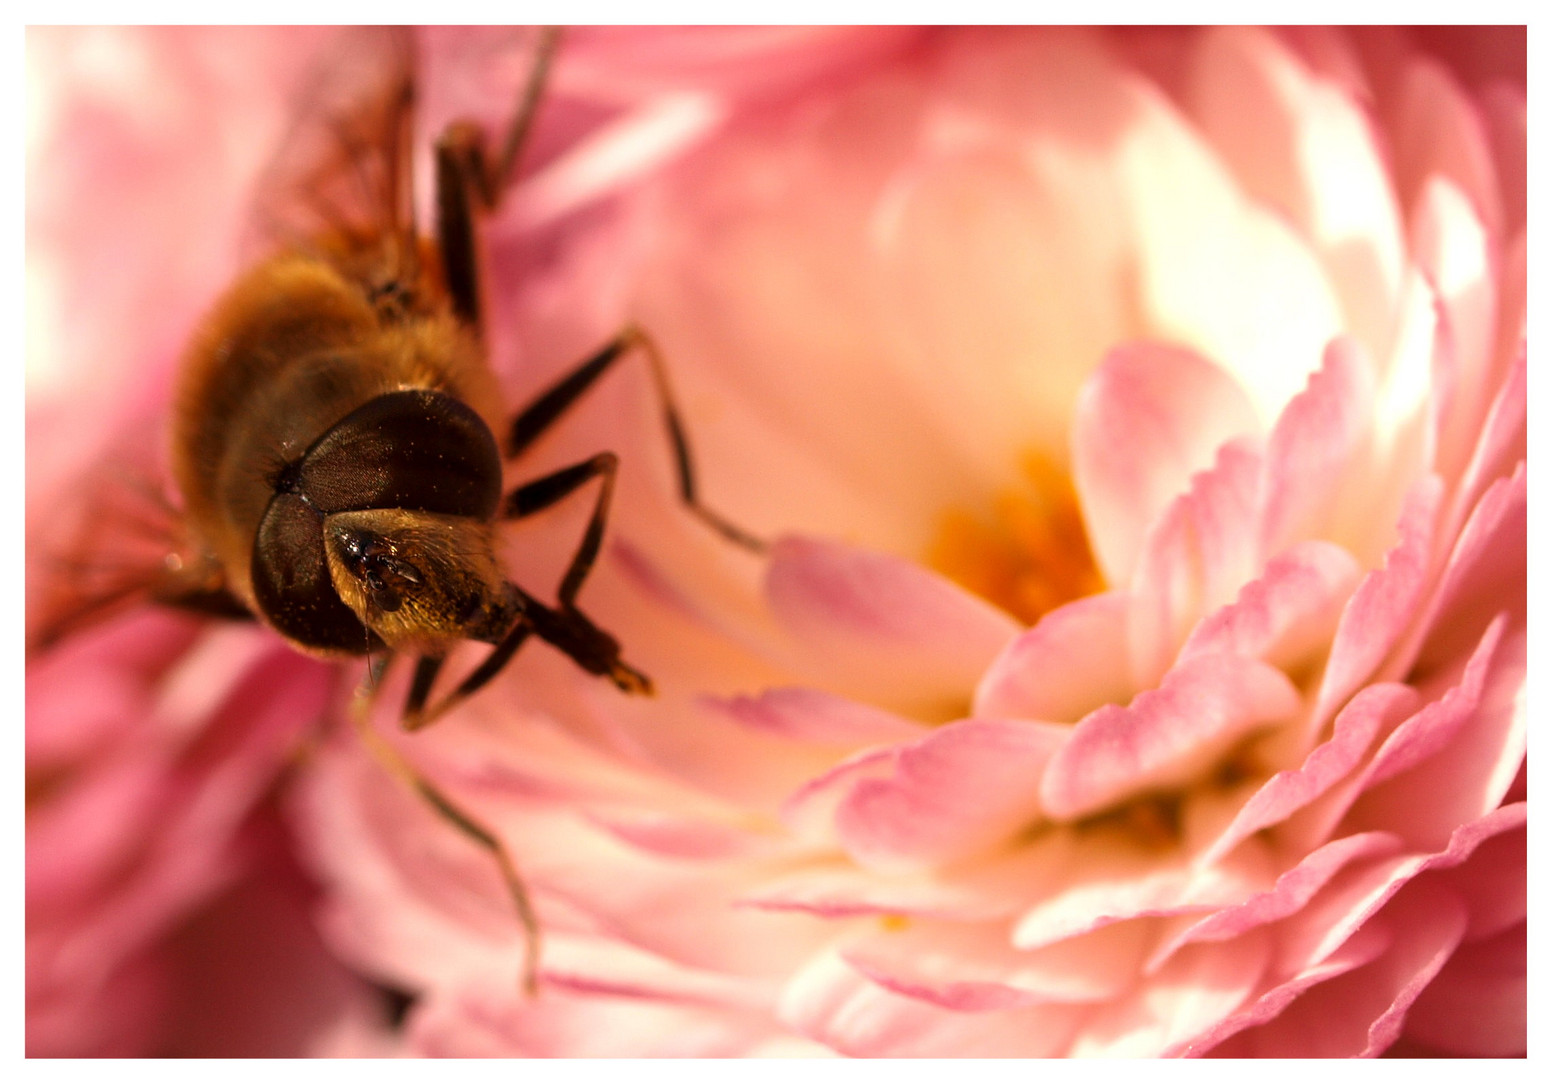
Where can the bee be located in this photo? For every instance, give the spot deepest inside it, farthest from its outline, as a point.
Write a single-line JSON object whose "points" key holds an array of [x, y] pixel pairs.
{"points": [[334, 425]]}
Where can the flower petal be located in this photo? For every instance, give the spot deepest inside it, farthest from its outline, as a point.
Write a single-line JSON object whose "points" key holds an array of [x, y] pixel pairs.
{"points": [[1454, 760], [1361, 1012], [1382, 606], [1437, 132], [1063, 667], [1196, 557], [971, 967], [806, 715], [1361, 891], [1146, 421], [950, 795], [1167, 736], [1287, 614], [1501, 444], [1114, 881], [1298, 142], [1477, 1005], [885, 624], [1307, 487], [1452, 247], [1355, 953], [1194, 991], [1504, 115], [1375, 709], [1481, 579], [1291, 892], [832, 1002]]}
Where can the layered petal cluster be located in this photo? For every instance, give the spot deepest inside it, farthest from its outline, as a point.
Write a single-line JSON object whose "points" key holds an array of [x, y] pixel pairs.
{"points": [[1137, 667]]}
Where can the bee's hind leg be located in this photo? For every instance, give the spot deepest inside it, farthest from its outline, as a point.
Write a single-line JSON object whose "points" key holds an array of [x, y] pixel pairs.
{"points": [[394, 762]]}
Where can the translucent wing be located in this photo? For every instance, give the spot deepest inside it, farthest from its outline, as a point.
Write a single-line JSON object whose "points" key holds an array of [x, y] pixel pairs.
{"points": [[341, 185], [114, 544]]}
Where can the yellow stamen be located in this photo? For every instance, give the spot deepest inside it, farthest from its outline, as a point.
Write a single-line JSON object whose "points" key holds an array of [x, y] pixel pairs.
{"points": [[1031, 556]]}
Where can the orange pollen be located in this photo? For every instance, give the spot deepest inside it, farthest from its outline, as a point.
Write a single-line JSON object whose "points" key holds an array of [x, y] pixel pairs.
{"points": [[1029, 555]]}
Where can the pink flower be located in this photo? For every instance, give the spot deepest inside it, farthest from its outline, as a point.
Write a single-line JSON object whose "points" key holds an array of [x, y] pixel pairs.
{"points": [[1138, 667]]}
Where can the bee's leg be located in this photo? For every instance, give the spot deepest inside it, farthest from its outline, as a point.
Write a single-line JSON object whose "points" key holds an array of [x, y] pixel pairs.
{"points": [[565, 627], [425, 671], [593, 649], [542, 493], [394, 762], [467, 183], [416, 716], [554, 402]]}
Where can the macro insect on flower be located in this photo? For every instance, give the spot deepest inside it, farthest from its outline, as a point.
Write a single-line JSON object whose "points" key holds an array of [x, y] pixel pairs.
{"points": [[332, 440], [1137, 664]]}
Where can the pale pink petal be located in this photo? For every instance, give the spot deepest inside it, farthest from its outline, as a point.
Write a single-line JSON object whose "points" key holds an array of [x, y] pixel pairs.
{"points": [[970, 968], [1482, 577], [1307, 489], [832, 1002], [383, 914], [1374, 710], [580, 877], [753, 62], [1194, 991], [950, 795], [1117, 881], [1342, 907], [1287, 614], [1451, 244], [883, 621], [1298, 142], [1422, 735], [838, 891], [810, 810], [96, 686], [681, 837], [988, 889], [1147, 420], [1218, 272], [1195, 558], [1382, 606], [1437, 131], [998, 243], [1504, 115], [1492, 883], [474, 1023], [1358, 951], [806, 715], [1477, 1005], [1063, 667], [1361, 1013], [1166, 736], [1291, 892], [659, 906], [1402, 449], [1501, 444], [1431, 729], [598, 966], [1455, 760]]}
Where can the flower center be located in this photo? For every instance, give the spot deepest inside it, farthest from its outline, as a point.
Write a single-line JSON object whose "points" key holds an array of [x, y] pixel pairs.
{"points": [[1030, 555]]}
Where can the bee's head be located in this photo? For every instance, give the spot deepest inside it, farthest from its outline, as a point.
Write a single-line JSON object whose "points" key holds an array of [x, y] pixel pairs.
{"points": [[420, 581]]}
